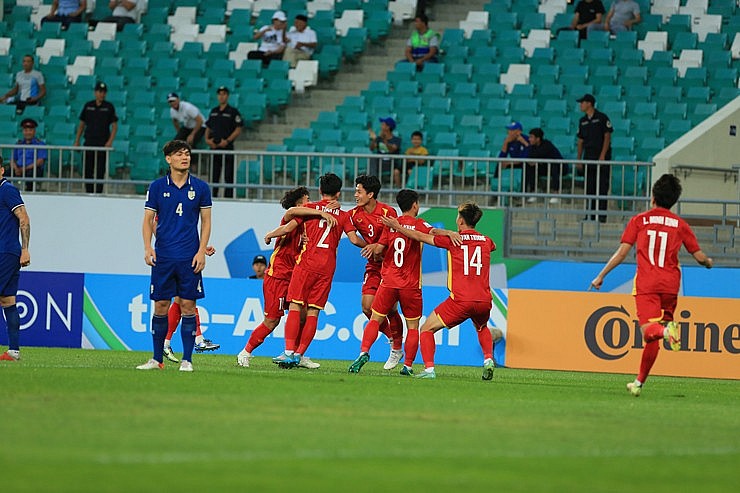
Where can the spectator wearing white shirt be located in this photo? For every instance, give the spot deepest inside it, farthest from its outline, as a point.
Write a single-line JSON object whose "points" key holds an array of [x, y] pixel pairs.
{"points": [[66, 12], [187, 119], [272, 45], [123, 12], [302, 41]]}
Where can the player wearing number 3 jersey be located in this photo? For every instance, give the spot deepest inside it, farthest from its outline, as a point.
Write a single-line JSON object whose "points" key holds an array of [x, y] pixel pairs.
{"points": [[469, 264], [658, 234]]}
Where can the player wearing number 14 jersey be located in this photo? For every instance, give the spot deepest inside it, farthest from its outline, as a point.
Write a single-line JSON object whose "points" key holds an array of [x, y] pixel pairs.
{"points": [[658, 234], [469, 265]]}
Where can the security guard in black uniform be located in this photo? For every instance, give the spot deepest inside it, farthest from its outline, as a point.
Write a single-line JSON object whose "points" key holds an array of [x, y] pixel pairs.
{"points": [[594, 143], [99, 121], [223, 126]]}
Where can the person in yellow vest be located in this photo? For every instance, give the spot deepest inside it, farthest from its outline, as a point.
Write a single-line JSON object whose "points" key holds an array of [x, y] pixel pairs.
{"points": [[423, 45]]}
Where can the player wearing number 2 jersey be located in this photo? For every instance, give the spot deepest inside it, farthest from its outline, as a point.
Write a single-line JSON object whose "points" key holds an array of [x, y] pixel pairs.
{"points": [[311, 280], [401, 280], [658, 234], [469, 264], [366, 217]]}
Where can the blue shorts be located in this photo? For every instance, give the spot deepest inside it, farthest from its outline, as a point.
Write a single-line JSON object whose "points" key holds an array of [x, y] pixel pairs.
{"points": [[172, 278], [10, 269]]}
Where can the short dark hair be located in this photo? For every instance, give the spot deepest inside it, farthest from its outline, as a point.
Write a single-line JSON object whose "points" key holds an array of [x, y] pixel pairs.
{"points": [[370, 183], [417, 133], [174, 146], [423, 18], [330, 184], [291, 197], [537, 132], [666, 191], [470, 212], [406, 199]]}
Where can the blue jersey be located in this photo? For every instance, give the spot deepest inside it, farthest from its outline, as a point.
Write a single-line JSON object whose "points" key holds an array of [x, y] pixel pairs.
{"points": [[178, 212], [10, 200]]}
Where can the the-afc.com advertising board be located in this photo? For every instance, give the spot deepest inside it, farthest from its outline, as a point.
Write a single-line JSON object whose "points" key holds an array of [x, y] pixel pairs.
{"points": [[599, 332]]}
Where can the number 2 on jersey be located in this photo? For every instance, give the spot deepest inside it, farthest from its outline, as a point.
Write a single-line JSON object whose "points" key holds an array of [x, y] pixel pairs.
{"points": [[473, 260], [327, 229], [663, 236]]}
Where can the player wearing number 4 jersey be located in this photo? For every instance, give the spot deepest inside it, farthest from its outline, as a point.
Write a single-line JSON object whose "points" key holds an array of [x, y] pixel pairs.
{"points": [[311, 280], [658, 234], [366, 217], [469, 265], [401, 280]]}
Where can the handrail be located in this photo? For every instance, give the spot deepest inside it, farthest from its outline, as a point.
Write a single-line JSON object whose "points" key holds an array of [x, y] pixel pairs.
{"points": [[687, 169]]}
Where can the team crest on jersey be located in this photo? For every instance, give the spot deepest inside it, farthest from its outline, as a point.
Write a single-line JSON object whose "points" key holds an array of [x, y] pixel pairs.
{"points": [[191, 194]]}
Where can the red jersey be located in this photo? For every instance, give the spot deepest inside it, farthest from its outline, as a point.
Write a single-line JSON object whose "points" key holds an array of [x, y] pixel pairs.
{"points": [[468, 265], [284, 255], [402, 258], [320, 253], [369, 224], [659, 234]]}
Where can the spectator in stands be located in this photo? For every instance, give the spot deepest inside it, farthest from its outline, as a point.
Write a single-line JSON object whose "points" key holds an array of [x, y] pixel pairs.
{"points": [[123, 12], [541, 148], [594, 143], [516, 145], [29, 87], [99, 121], [587, 13], [272, 45], [29, 162], [383, 143], [66, 12], [259, 266], [301, 40], [417, 149], [423, 45], [223, 126], [622, 15], [187, 119]]}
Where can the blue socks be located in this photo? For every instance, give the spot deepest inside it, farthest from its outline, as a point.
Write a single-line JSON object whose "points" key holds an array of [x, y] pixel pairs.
{"points": [[14, 327], [188, 337], [159, 333]]}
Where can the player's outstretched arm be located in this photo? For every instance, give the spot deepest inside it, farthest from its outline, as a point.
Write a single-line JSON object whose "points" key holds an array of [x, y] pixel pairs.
{"points": [[301, 211], [147, 232], [616, 259], [372, 249], [453, 235], [355, 239], [281, 231], [392, 222], [702, 259]]}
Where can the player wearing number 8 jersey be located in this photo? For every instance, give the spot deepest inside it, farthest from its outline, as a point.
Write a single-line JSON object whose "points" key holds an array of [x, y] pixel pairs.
{"points": [[469, 264], [658, 234], [311, 280]]}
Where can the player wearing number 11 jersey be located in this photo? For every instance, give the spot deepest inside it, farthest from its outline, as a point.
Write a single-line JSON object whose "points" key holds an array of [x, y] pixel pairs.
{"points": [[658, 234]]}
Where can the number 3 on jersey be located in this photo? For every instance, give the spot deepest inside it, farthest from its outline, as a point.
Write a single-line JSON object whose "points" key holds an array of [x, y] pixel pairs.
{"points": [[473, 260]]}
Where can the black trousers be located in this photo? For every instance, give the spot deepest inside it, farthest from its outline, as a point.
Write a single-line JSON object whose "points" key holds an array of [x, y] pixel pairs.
{"points": [[597, 183], [225, 162], [94, 166]]}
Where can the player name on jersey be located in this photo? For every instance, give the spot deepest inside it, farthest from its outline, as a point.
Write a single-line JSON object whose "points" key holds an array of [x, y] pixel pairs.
{"points": [[469, 237], [666, 221]]}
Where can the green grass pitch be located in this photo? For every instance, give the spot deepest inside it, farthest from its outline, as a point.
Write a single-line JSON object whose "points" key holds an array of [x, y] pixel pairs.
{"points": [[87, 421]]}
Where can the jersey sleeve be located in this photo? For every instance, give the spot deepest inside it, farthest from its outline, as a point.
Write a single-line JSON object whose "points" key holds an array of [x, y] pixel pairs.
{"points": [[493, 245], [423, 226], [11, 197], [630, 232], [443, 242], [205, 197], [347, 225], [152, 198], [689, 239], [383, 240]]}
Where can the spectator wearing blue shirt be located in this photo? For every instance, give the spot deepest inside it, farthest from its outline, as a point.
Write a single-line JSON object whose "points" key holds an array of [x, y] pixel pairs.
{"points": [[175, 203], [14, 254], [516, 145], [28, 162]]}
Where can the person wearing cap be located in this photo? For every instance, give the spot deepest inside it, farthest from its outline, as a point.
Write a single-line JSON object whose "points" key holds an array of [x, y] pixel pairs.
{"points": [[29, 87], [99, 122], [66, 12], [516, 145], [301, 40], [541, 148], [187, 120], [594, 143], [272, 36], [123, 12], [423, 45], [223, 126], [386, 142], [622, 15], [29, 162], [259, 266]]}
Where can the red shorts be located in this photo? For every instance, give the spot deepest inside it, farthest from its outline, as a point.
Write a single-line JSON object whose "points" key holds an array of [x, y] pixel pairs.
{"points": [[655, 307], [452, 312], [371, 281], [309, 289], [408, 298], [275, 291]]}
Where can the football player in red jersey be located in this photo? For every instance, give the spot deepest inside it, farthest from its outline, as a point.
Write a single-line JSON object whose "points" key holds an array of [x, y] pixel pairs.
{"points": [[366, 217], [469, 265], [311, 280], [401, 280], [277, 275], [658, 234]]}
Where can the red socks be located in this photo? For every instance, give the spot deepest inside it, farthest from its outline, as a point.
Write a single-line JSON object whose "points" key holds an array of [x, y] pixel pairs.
{"points": [[292, 327], [486, 342], [427, 348], [198, 333], [257, 337], [308, 333], [370, 335], [395, 325], [653, 336], [173, 320], [411, 346]]}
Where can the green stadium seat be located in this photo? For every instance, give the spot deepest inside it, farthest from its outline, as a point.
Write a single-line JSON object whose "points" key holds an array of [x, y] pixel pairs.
{"points": [[642, 108], [647, 127], [628, 181], [610, 92], [649, 147], [638, 92], [675, 110], [676, 129], [498, 106], [492, 90], [668, 94], [623, 144], [560, 125]]}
